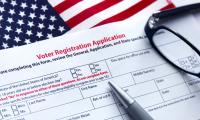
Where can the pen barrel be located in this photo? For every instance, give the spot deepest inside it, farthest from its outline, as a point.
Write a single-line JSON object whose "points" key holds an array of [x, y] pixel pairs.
{"points": [[137, 112]]}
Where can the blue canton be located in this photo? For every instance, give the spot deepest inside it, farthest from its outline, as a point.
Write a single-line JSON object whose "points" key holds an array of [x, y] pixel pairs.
{"points": [[26, 21]]}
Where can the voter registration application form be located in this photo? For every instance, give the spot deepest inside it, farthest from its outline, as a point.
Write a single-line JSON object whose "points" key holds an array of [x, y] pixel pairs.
{"points": [[66, 78]]}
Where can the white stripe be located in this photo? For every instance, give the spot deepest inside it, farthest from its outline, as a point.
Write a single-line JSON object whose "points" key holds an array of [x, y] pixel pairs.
{"points": [[184, 2], [115, 9], [79, 7], [55, 2]]}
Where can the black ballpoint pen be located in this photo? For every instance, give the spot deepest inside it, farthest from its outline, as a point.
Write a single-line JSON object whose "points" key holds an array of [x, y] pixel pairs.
{"points": [[135, 111]]}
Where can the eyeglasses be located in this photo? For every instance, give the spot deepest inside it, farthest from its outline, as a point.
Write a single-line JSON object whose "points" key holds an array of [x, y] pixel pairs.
{"points": [[172, 46]]}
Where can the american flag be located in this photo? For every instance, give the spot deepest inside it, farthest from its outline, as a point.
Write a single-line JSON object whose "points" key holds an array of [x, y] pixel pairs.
{"points": [[26, 21], [82, 14]]}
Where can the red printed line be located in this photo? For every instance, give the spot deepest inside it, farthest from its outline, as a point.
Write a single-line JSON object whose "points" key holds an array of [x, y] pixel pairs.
{"points": [[90, 12], [65, 5], [53, 86], [128, 12]]}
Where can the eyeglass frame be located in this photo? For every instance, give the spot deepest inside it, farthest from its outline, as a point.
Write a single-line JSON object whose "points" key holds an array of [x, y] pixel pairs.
{"points": [[150, 30]]}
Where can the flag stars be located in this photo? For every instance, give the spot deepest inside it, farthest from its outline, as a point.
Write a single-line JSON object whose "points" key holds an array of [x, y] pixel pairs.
{"points": [[3, 1], [10, 20], [61, 28], [8, 28], [26, 22], [44, 8], [19, 30], [7, 37], [32, 15], [51, 27], [2, 9], [5, 45], [49, 35], [30, 24], [39, 34], [13, 3], [52, 18], [34, 6], [23, 5], [27, 41], [42, 17], [41, 25], [17, 39], [20, 22], [11, 11], [29, 32], [21, 13]]}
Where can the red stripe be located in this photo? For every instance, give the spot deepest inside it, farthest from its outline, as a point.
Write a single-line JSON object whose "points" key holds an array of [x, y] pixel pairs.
{"points": [[90, 12], [128, 12], [65, 5], [169, 6]]}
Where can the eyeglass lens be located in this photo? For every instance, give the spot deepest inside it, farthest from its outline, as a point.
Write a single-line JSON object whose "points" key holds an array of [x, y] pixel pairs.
{"points": [[176, 50]]}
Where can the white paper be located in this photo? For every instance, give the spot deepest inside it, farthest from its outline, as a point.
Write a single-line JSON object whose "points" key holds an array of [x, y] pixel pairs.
{"points": [[42, 82], [184, 2]]}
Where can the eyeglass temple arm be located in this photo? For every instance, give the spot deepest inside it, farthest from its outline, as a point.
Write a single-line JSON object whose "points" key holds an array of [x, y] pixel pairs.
{"points": [[175, 11]]}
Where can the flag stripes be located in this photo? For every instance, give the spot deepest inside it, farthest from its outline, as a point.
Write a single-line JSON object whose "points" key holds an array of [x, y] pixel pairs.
{"points": [[128, 12], [90, 12], [65, 5], [84, 14], [78, 8]]}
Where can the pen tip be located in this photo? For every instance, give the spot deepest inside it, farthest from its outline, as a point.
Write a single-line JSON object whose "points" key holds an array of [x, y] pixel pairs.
{"points": [[113, 85], [109, 83], [123, 97]]}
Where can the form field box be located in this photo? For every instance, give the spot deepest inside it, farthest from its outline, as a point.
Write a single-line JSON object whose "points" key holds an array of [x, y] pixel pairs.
{"points": [[174, 92], [54, 100], [61, 111], [169, 81], [153, 73], [102, 100], [141, 89], [103, 113], [129, 62], [103, 87], [194, 85], [149, 99]]}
